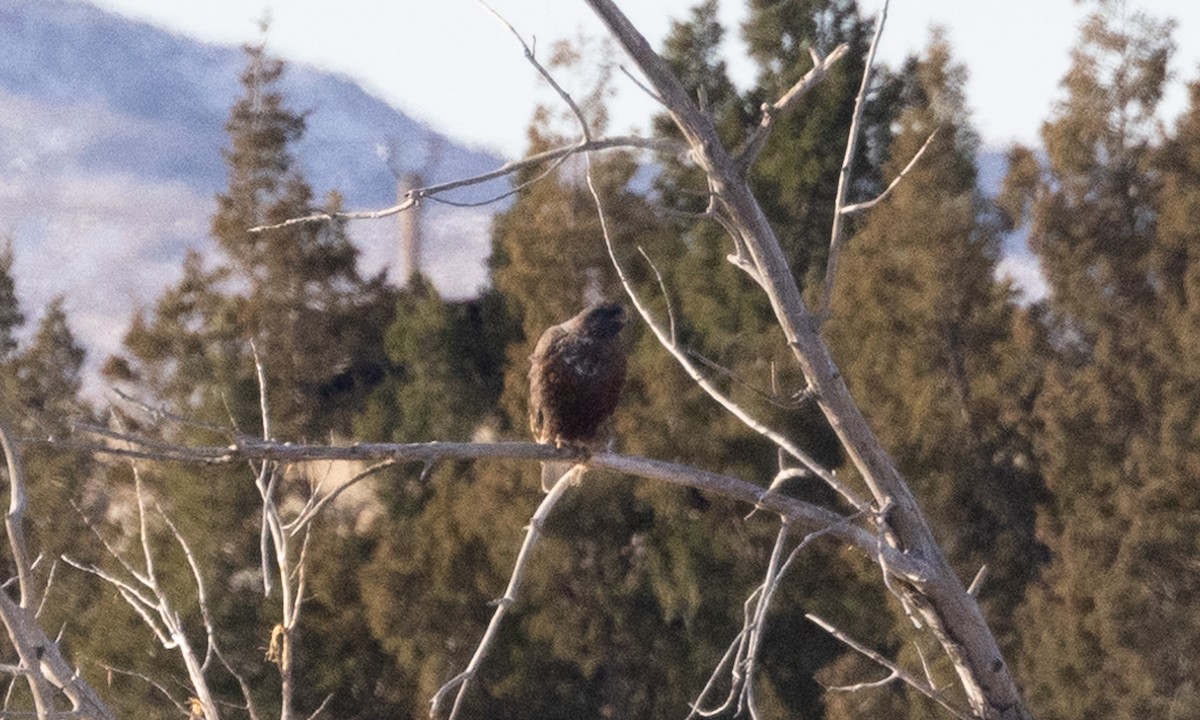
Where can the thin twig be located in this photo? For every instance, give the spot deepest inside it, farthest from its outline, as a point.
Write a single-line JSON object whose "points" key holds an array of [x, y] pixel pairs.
{"points": [[837, 239], [201, 597], [662, 287], [314, 506], [566, 97], [641, 85], [867, 205], [149, 681], [915, 683], [321, 708], [251, 709], [757, 629], [413, 197]]}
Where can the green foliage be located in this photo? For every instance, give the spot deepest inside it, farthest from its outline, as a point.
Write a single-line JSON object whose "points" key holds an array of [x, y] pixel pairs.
{"points": [[1108, 630], [922, 332], [444, 367], [295, 293]]}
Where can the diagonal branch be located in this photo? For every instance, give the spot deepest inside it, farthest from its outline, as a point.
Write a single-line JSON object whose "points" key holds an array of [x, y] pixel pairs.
{"points": [[461, 681], [867, 205], [745, 155], [667, 340], [952, 615], [566, 97], [897, 672]]}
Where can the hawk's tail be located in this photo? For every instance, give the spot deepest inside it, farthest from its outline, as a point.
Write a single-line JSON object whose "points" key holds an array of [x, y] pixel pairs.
{"points": [[553, 471]]}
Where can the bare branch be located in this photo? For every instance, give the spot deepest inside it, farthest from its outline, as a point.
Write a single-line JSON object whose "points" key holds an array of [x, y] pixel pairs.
{"points": [[44, 666], [14, 519], [533, 532], [641, 85], [977, 584], [808, 516], [838, 232], [41, 662], [314, 506], [320, 708], [201, 597], [265, 478], [182, 707], [414, 196], [662, 288], [681, 356], [247, 693], [898, 672], [859, 207], [566, 97], [745, 155], [890, 678], [151, 603]]}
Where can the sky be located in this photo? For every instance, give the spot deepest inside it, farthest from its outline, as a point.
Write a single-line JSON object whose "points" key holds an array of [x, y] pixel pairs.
{"points": [[452, 64]]}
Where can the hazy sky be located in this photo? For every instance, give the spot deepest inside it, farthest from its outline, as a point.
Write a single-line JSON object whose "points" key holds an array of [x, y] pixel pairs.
{"points": [[451, 63]]}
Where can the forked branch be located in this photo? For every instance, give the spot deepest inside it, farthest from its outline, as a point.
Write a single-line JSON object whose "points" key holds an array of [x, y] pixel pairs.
{"points": [[943, 603]]}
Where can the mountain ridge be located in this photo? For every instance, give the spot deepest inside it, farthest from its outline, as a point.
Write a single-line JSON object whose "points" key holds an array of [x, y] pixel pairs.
{"points": [[111, 139]]}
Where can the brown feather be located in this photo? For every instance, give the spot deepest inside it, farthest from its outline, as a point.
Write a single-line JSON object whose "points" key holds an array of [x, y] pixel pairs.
{"points": [[576, 373]]}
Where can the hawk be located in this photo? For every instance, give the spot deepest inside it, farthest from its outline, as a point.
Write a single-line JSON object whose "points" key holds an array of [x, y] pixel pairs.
{"points": [[575, 378]]}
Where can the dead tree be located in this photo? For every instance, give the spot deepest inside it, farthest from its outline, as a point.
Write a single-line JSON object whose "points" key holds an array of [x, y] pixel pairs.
{"points": [[886, 524]]}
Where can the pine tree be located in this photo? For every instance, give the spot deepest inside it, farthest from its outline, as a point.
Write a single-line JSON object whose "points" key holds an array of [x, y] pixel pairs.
{"points": [[295, 292], [1107, 628], [922, 331], [294, 299]]}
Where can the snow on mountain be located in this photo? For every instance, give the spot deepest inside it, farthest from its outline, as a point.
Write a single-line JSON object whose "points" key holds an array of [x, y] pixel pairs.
{"points": [[111, 133]]}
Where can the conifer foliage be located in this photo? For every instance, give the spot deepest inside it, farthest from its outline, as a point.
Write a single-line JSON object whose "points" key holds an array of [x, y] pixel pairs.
{"points": [[1109, 629], [1056, 443], [295, 293]]}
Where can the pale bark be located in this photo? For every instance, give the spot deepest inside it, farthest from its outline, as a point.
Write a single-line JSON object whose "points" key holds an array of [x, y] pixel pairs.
{"points": [[940, 598]]}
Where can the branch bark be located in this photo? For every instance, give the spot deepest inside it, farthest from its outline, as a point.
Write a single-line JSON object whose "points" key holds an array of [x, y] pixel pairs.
{"points": [[942, 601], [413, 197], [41, 661], [806, 516]]}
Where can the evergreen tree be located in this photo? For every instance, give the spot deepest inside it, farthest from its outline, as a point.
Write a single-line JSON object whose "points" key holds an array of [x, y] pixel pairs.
{"points": [[11, 316], [922, 332], [295, 292], [1107, 629], [445, 367], [294, 297]]}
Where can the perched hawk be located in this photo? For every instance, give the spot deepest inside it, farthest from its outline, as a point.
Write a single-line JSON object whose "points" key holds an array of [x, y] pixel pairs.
{"points": [[575, 378]]}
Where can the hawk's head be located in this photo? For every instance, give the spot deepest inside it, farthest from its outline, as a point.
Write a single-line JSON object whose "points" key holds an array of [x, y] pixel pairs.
{"points": [[603, 321]]}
